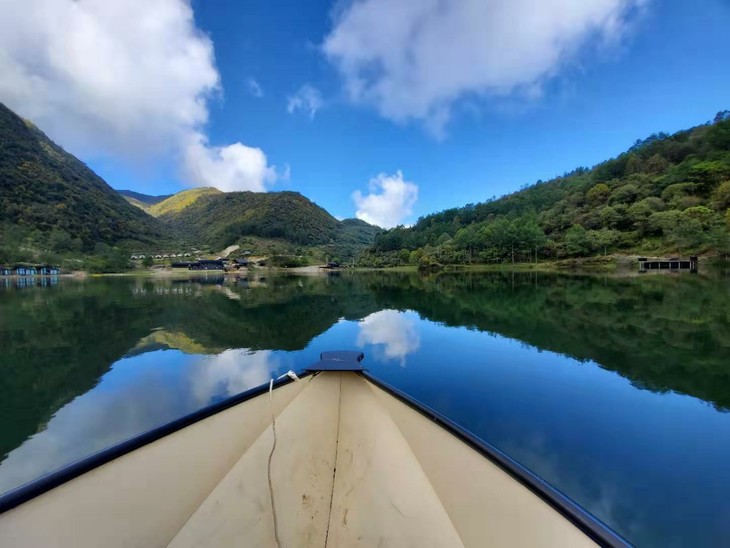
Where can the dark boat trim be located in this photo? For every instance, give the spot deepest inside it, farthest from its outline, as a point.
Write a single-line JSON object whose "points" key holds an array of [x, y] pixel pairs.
{"points": [[45, 483], [589, 524]]}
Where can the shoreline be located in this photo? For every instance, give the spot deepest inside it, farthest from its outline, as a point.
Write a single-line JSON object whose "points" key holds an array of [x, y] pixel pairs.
{"points": [[619, 265]]}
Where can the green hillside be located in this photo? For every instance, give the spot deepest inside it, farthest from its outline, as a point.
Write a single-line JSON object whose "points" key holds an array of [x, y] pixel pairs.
{"points": [[269, 223], [50, 202], [142, 201], [356, 233], [666, 194], [177, 202], [219, 220]]}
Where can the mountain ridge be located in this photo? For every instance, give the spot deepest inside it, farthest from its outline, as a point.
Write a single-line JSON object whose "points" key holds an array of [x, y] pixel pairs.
{"points": [[223, 217], [54, 208], [667, 194], [50, 200], [139, 197]]}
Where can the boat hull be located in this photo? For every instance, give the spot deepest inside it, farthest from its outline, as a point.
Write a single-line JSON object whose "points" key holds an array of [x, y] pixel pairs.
{"points": [[354, 465]]}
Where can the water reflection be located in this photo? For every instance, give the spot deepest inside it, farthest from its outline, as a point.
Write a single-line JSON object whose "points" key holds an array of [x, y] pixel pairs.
{"points": [[231, 372], [136, 395], [392, 333], [7, 282], [614, 390]]}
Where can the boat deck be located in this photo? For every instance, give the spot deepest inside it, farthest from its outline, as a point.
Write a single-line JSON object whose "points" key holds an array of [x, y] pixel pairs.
{"points": [[353, 466]]}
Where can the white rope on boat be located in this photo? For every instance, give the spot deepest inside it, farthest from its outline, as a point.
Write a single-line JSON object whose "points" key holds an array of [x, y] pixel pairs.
{"points": [[294, 377]]}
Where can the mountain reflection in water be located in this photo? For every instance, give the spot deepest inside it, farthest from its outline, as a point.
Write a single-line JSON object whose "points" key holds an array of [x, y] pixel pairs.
{"points": [[614, 390]]}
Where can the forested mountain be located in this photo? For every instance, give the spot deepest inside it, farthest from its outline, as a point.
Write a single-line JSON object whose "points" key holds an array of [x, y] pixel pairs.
{"points": [[50, 202], [142, 201], [356, 233], [53, 208], [222, 219], [666, 194]]}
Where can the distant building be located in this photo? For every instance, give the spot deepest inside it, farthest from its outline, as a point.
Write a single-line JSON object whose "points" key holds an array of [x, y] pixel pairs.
{"points": [[208, 264], [25, 270], [48, 270], [242, 263], [5, 271]]}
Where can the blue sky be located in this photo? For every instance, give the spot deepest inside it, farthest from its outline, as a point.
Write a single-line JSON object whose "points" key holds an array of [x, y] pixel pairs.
{"points": [[417, 108]]}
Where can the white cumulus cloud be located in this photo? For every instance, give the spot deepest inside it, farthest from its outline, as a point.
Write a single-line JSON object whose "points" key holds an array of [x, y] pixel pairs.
{"points": [[307, 98], [228, 168], [412, 59], [390, 201], [129, 78]]}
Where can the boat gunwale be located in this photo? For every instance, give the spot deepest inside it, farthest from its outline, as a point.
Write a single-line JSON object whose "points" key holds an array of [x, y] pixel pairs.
{"points": [[589, 524], [24, 493]]}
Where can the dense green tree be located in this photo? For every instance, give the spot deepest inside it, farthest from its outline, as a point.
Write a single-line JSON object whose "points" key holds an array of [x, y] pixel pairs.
{"points": [[598, 194], [704, 215], [721, 196], [624, 194], [719, 238], [634, 164], [708, 174], [664, 221], [687, 235], [656, 164], [576, 241], [603, 239], [641, 211], [443, 239]]}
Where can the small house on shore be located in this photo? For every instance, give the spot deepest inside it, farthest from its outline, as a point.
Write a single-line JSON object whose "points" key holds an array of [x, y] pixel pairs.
{"points": [[48, 270], [672, 264], [25, 270], [30, 270]]}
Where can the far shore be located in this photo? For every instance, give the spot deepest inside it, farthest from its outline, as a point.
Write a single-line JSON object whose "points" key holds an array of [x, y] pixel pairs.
{"points": [[616, 265], [184, 273]]}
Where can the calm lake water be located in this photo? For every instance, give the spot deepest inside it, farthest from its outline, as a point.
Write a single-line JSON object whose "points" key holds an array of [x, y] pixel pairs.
{"points": [[616, 391]]}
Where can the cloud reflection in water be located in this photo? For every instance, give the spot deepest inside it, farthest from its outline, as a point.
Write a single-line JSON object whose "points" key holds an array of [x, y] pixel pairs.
{"points": [[395, 331], [135, 395]]}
